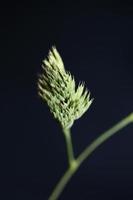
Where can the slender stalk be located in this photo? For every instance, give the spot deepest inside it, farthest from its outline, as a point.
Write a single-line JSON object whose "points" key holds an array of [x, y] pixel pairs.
{"points": [[62, 183], [71, 169], [69, 146], [103, 137], [75, 163]]}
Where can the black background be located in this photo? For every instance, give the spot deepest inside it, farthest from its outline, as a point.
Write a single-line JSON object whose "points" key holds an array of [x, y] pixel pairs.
{"points": [[95, 41]]}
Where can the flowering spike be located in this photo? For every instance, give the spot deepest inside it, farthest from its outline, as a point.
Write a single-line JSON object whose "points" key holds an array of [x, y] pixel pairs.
{"points": [[57, 87]]}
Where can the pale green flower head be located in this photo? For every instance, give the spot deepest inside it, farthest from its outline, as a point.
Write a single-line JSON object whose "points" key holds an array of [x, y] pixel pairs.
{"points": [[57, 87]]}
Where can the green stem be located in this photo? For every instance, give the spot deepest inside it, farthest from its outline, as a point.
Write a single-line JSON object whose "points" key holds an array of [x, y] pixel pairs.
{"points": [[62, 183], [71, 169], [69, 146], [103, 137], [75, 163]]}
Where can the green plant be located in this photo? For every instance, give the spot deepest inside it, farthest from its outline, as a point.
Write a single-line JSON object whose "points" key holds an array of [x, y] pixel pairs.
{"points": [[67, 102]]}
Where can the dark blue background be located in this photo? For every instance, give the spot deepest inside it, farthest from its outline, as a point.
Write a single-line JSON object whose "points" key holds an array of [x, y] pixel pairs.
{"points": [[96, 42]]}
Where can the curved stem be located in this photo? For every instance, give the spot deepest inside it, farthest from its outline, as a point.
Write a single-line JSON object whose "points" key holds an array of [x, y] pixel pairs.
{"points": [[75, 163], [103, 137], [62, 183]]}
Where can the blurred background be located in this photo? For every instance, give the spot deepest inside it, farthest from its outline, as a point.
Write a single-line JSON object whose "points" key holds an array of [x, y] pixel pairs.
{"points": [[95, 41]]}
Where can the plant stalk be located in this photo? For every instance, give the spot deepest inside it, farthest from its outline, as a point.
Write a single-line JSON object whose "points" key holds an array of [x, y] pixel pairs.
{"points": [[104, 136], [74, 164], [69, 146]]}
